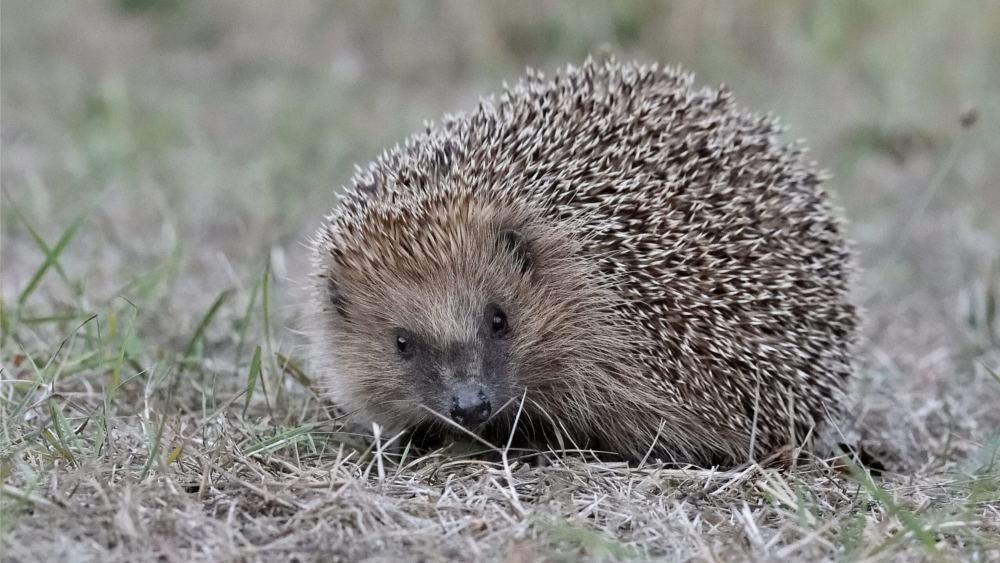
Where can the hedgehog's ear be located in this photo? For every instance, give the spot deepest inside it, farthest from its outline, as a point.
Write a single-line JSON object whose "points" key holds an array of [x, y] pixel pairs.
{"points": [[513, 243], [336, 297]]}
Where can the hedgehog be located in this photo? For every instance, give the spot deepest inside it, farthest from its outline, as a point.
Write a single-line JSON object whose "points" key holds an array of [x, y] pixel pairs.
{"points": [[609, 260]]}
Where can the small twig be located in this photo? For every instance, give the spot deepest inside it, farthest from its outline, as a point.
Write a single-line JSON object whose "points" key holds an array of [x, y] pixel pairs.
{"points": [[250, 486], [28, 497], [756, 411], [652, 446], [506, 465]]}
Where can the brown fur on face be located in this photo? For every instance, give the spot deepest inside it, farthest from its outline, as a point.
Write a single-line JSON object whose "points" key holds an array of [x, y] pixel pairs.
{"points": [[436, 282], [673, 277]]}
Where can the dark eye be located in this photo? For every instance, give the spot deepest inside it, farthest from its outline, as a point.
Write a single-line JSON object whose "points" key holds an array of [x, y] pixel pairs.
{"points": [[498, 323], [404, 345]]}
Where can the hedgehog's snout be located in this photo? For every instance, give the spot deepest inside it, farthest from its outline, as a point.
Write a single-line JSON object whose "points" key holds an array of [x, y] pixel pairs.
{"points": [[470, 407]]}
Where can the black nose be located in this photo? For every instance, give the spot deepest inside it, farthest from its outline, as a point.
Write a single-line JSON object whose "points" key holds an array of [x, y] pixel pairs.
{"points": [[470, 407]]}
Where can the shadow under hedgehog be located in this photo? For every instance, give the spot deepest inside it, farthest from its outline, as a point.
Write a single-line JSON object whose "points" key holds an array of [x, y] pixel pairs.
{"points": [[618, 260]]}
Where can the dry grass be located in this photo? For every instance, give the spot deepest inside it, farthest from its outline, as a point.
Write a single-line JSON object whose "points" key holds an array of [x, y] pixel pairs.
{"points": [[163, 160]]}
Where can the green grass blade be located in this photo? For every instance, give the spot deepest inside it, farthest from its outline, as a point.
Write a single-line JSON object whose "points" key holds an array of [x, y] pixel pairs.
{"points": [[297, 373], [109, 395], [266, 305], [4, 323], [205, 321], [51, 255], [64, 432], [594, 542], [40, 378], [279, 440], [265, 292], [244, 324], [993, 374], [154, 450], [252, 379], [57, 445]]}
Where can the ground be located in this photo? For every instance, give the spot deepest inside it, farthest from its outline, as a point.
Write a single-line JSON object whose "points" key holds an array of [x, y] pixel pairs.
{"points": [[164, 161]]}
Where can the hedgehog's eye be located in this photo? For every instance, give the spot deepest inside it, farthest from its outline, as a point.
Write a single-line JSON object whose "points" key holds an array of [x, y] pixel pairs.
{"points": [[404, 345], [498, 323]]}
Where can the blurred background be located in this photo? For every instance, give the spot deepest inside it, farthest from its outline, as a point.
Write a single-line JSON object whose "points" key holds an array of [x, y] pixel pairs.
{"points": [[178, 146]]}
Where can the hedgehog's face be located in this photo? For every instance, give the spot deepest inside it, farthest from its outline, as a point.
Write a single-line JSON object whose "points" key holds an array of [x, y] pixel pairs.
{"points": [[431, 329], [455, 310], [438, 345], [465, 378]]}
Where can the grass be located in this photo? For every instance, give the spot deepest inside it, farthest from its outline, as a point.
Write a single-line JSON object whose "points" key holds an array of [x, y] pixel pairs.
{"points": [[163, 161]]}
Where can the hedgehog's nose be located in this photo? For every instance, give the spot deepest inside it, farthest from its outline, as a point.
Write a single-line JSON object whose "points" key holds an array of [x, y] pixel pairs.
{"points": [[470, 407]]}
